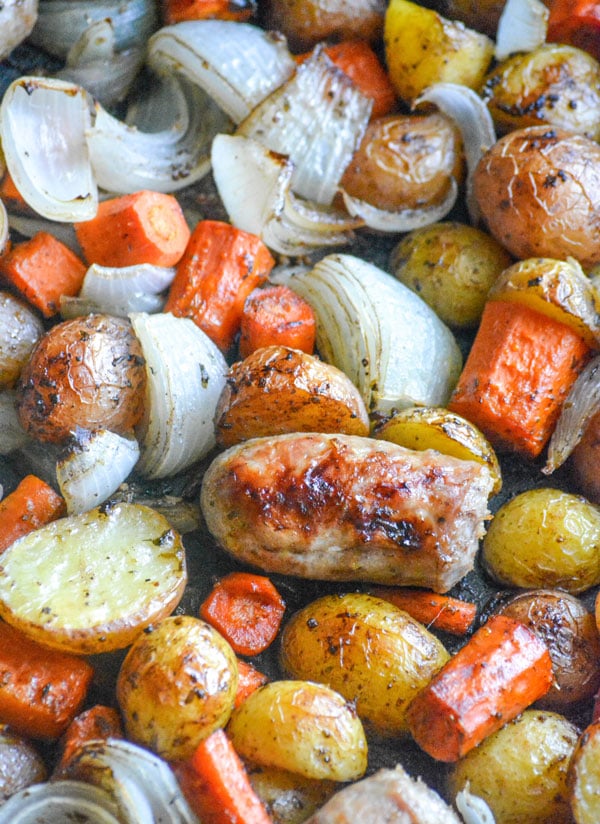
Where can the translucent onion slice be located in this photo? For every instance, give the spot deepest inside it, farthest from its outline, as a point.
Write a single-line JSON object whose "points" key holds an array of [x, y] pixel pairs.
{"points": [[186, 375], [237, 64], [120, 282], [17, 19], [472, 808], [42, 129], [96, 465], [12, 434], [61, 801], [581, 404], [76, 307], [522, 27], [317, 119], [391, 345], [29, 226], [255, 186]]}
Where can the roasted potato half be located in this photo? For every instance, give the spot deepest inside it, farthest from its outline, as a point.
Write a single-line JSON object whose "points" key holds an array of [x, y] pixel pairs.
{"points": [[367, 649], [288, 797], [176, 685], [20, 763], [21, 330], [544, 538], [276, 390], [584, 777]]}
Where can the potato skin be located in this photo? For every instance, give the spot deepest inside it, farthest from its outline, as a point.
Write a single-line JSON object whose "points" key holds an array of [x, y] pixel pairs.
{"points": [[87, 372], [20, 764], [583, 778], [585, 461], [370, 651], [176, 685], [538, 190], [21, 330]]}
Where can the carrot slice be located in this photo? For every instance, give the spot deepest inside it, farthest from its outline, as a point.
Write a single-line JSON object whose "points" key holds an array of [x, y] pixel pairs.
{"points": [[501, 670], [276, 315], [174, 11], [576, 22], [31, 505], [439, 611], [249, 679], [246, 609], [99, 723], [520, 369], [220, 268], [142, 227], [41, 690], [42, 269]]}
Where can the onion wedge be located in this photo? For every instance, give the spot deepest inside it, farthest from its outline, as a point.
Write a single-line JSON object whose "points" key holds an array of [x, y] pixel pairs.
{"points": [[522, 27]]}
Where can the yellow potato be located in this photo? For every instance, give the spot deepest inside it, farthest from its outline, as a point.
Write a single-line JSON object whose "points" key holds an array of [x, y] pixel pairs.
{"points": [[176, 685], [367, 649], [301, 727], [276, 390], [584, 777], [289, 798], [545, 538]]}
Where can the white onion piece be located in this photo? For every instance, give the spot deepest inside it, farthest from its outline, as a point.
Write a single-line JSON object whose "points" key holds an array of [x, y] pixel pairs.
{"points": [[4, 227], [96, 465], [254, 185], [404, 221], [42, 130], [76, 307], [473, 809], [12, 434], [125, 159], [119, 282], [579, 407], [473, 119], [522, 27], [317, 119], [30, 226], [17, 19], [61, 801], [388, 341], [237, 64], [185, 377]]}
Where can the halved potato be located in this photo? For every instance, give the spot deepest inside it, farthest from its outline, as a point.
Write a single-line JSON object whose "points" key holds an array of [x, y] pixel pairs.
{"points": [[584, 777], [90, 583]]}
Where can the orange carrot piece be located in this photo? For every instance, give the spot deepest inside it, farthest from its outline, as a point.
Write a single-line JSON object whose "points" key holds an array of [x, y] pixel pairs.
{"points": [[143, 227], [223, 793], [31, 505], [577, 23], [99, 723], [41, 689], [219, 269], [442, 612], [519, 371], [246, 609], [276, 315], [42, 269], [174, 11], [501, 670], [250, 679]]}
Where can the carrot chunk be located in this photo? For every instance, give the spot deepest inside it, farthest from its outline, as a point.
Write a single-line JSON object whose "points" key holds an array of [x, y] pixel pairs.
{"points": [[501, 670], [31, 505], [250, 679], [519, 371], [99, 723], [220, 268], [246, 609], [174, 11], [577, 23], [41, 690], [439, 611], [276, 315], [143, 227], [42, 269]]}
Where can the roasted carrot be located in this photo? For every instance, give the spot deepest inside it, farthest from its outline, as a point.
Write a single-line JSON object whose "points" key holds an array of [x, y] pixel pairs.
{"points": [[501, 670], [276, 315], [220, 267], [99, 723], [246, 609], [31, 505], [42, 269], [250, 679], [517, 375], [143, 227], [41, 690], [577, 23], [174, 11], [439, 611], [357, 59]]}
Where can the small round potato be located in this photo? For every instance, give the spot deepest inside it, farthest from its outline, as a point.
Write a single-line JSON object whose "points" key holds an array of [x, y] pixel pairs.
{"points": [[301, 727], [20, 764], [288, 797], [367, 649], [176, 685], [545, 538], [584, 777], [21, 330], [521, 770], [452, 266]]}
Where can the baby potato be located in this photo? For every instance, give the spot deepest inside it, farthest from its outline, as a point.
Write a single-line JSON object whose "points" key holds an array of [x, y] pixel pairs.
{"points": [[521, 770], [21, 330], [367, 649], [88, 373], [570, 633], [584, 777], [538, 190], [554, 83], [405, 162], [545, 538], [452, 266], [289, 798], [20, 764], [176, 685], [276, 390], [301, 727]]}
